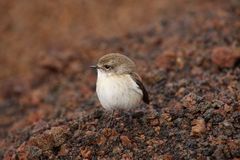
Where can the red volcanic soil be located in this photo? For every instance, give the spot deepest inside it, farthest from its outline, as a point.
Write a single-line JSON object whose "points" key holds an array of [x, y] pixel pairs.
{"points": [[188, 54]]}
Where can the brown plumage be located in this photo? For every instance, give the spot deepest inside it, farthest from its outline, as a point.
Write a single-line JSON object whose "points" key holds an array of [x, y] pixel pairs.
{"points": [[138, 80]]}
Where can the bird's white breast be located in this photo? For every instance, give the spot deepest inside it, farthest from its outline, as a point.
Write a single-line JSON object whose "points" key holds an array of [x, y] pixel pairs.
{"points": [[117, 91]]}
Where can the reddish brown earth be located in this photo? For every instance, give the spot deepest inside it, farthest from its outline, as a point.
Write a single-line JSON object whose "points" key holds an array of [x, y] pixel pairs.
{"points": [[188, 53]]}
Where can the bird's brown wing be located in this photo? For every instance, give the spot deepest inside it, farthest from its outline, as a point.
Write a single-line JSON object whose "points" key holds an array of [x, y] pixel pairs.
{"points": [[137, 79]]}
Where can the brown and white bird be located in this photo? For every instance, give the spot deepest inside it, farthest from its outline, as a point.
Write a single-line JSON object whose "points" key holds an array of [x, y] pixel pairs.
{"points": [[118, 85]]}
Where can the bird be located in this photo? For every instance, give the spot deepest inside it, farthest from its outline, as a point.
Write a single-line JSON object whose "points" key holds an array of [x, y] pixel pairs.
{"points": [[118, 85]]}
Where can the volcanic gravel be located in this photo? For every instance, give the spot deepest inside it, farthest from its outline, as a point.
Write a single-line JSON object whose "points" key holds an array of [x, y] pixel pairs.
{"points": [[189, 62]]}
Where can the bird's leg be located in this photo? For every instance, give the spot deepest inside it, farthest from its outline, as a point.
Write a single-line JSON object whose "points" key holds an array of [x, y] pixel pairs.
{"points": [[110, 123]]}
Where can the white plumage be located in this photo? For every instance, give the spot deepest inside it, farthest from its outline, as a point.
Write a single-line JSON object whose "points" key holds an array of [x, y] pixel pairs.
{"points": [[118, 91]]}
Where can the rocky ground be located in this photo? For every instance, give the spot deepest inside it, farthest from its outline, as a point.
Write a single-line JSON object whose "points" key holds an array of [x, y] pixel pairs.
{"points": [[190, 63]]}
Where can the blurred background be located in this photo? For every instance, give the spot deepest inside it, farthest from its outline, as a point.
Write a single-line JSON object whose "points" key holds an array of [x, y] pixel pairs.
{"points": [[32, 28]]}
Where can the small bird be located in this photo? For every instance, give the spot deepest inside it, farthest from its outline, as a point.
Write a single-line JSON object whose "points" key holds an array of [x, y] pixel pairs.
{"points": [[118, 85]]}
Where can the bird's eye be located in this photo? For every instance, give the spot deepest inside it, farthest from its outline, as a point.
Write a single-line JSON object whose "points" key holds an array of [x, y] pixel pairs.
{"points": [[107, 67]]}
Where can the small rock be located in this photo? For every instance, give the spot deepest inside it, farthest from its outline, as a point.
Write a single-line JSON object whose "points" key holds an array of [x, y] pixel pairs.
{"points": [[107, 132], [190, 101], [142, 137], [59, 134], [180, 91], [224, 56], [157, 129], [128, 156], [154, 122], [43, 141], [64, 150], [50, 138], [227, 124], [198, 127], [125, 140], [227, 108], [85, 152], [116, 150], [166, 116], [101, 140]]}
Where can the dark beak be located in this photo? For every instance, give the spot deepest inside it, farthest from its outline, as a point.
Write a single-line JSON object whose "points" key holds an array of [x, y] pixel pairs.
{"points": [[94, 67]]}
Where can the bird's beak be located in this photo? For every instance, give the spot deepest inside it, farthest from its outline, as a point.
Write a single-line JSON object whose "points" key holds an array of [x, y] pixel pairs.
{"points": [[94, 67]]}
